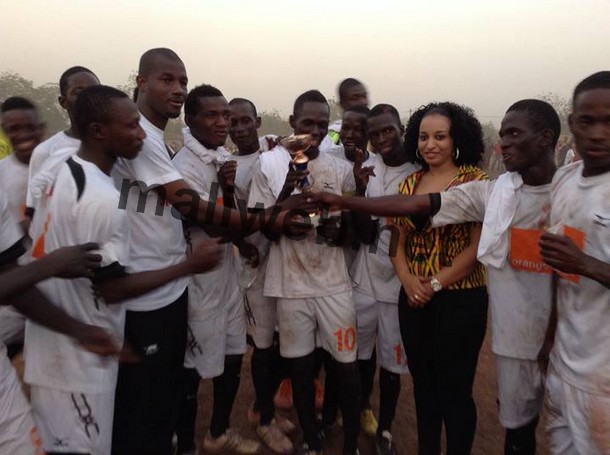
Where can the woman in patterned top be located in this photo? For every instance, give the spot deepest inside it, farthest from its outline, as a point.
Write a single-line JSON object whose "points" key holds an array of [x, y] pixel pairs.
{"points": [[443, 300]]}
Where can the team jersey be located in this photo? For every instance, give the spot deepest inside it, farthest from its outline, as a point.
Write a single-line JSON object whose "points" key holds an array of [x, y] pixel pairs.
{"points": [[159, 242], [14, 183], [372, 271], [216, 289], [43, 152], [519, 292], [83, 208], [308, 267], [580, 209]]}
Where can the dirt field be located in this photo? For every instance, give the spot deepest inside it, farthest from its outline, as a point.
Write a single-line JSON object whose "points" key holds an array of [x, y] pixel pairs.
{"points": [[488, 441]]}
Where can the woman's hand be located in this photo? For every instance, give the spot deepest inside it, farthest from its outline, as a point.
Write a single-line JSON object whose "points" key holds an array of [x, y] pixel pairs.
{"points": [[418, 293]]}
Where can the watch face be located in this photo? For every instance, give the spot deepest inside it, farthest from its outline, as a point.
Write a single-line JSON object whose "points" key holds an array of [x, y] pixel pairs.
{"points": [[436, 286]]}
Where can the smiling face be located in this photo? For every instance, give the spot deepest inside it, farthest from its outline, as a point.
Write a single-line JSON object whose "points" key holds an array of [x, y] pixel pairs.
{"points": [[520, 142], [590, 125], [434, 142], [24, 130], [210, 125]]}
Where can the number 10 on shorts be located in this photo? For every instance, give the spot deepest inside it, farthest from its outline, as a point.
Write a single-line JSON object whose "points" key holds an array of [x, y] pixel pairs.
{"points": [[346, 339]]}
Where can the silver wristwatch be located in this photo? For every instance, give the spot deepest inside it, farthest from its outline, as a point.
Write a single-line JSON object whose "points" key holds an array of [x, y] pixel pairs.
{"points": [[435, 284]]}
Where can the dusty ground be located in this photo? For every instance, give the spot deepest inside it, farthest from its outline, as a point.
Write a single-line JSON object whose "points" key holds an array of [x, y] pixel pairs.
{"points": [[488, 440]]}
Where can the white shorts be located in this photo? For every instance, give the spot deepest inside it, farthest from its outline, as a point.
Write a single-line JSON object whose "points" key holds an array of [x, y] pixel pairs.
{"points": [[18, 434], [331, 320], [378, 321], [261, 315], [578, 422], [72, 421], [520, 391], [12, 325], [212, 338]]}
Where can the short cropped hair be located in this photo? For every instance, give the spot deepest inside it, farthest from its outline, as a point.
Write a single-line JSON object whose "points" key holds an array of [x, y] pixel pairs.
{"points": [[93, 106], [541, 115], [310, 96], [16, 102], [346, 84], [235, 101], [191, 104], [63, 80], [601, 79], [147, 60], [385, 109]]}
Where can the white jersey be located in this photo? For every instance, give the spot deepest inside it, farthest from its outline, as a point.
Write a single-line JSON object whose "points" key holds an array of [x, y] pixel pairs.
{"points": [[83, 209], [159, 242], [44, 151], [372, 271], [302, 268], [14, 184], [519, 292], [10, 249], [218, 288], [246, 164], [580, 206]]}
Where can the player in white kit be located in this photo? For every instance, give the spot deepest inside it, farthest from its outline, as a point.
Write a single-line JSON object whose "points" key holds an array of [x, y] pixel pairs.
{"points": [[376, 286], [309, 277], [73, 390], [24, 129], [266, 364], [216, 321], [578, 248]]}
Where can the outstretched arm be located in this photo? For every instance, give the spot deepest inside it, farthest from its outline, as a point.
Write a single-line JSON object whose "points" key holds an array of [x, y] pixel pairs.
{"points": [[397, 205]]}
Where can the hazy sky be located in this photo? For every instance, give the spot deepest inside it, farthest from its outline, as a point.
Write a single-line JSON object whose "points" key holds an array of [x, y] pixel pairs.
{"points": [[484, 54]]}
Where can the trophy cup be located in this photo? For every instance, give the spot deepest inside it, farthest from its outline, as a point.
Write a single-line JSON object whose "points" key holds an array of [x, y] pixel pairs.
{"points": [[297, 145]]}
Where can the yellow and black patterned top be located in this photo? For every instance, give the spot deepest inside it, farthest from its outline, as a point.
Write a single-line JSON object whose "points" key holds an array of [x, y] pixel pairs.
{"points": [[429, 249]]}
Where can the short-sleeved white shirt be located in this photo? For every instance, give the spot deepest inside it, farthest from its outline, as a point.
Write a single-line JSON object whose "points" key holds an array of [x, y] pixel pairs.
{"points": [[10, 235], [302, 268], [14, 184], [581, 353], [372, 271], [520, 299], [157, 241], [217, 288], [43, 151], [83, 209]]}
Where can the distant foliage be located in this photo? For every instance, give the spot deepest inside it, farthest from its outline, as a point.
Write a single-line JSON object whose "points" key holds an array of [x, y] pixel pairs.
{"points": [[43, 96], [273, 123]]}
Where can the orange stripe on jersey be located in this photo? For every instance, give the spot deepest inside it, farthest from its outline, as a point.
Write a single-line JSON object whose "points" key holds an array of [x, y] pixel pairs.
{"points": [[38, 251]]}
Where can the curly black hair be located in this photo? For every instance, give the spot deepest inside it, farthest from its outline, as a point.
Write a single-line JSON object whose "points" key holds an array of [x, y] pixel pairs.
{"points": [[465, 131]]}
